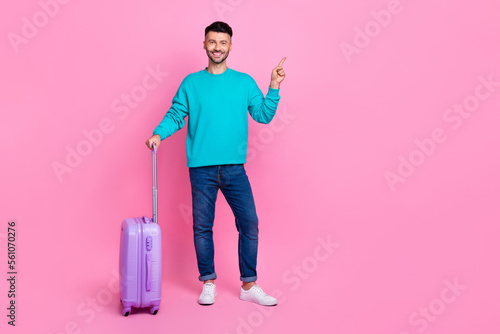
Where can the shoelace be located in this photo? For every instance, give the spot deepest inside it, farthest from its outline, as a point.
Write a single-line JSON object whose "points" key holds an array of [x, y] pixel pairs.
{"points": [[260, 291], [207, 289]]}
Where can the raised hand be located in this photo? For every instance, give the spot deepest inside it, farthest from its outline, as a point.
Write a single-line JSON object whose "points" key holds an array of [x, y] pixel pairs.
{"points": [[278, 74]]}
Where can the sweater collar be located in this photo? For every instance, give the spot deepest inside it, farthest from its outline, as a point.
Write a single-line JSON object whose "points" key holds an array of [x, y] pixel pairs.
{"points": [[217, 75]]}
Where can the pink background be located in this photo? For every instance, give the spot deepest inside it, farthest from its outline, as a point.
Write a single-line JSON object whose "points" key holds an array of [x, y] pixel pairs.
{"points": [[317, 174]]}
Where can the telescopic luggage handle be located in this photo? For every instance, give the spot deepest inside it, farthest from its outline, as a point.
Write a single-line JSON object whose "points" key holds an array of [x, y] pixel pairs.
{"points": [[155, 189]]}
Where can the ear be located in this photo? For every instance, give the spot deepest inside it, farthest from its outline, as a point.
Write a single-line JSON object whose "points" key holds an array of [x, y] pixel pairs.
{"points": [[204, 46]]}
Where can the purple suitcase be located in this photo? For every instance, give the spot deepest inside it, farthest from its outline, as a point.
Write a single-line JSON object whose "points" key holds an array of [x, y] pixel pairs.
{"points": [[140, 258]]}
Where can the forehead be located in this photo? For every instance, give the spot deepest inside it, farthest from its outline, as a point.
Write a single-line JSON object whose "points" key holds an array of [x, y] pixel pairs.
{"points": [[217, 36]]}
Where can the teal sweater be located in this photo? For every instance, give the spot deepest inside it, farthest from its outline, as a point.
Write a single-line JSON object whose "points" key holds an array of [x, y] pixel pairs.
{"points": [[217, 106]]}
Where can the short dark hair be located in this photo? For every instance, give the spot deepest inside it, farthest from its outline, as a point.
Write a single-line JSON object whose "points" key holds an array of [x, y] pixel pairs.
{"points": [[219, 26]]}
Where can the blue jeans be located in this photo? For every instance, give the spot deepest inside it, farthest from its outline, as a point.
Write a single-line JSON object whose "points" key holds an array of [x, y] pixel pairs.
{"points": [[233, 182]]}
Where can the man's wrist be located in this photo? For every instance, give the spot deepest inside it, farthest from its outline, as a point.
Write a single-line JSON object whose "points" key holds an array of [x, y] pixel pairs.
{"points": [[274, 85]]}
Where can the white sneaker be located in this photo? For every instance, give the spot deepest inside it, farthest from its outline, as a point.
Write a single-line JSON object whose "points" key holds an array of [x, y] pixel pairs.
{"points": [[256, 295], [208, 294]]}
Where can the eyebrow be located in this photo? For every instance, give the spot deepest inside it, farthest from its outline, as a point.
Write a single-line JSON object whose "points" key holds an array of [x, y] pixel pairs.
{"points": [[213, 40]]}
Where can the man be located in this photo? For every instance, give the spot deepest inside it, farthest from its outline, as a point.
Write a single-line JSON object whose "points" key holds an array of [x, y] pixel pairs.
{"points": [[217, 100]]}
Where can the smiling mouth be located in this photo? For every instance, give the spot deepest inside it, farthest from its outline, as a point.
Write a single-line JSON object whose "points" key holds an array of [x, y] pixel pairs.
{"points": [[217, 54]]}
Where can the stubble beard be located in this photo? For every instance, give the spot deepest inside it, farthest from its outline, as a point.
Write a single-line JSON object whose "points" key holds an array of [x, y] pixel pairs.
{"points": [[226, 54]]}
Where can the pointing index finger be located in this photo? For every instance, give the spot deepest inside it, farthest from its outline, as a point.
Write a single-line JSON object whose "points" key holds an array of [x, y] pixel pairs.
{"points": [[281, 62]]}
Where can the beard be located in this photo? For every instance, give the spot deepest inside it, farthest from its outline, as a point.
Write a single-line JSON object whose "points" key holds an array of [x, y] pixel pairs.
{"points": [[220, 60]]}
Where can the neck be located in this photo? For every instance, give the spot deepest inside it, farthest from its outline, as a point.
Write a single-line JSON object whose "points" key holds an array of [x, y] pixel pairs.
{"points": [[214, 68]]}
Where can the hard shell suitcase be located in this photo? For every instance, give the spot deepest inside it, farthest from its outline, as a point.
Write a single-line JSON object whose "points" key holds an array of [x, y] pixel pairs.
{"points": [[140, 258]]}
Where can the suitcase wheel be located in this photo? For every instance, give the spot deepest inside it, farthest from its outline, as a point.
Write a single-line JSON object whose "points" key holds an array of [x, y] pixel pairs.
{"points": [[126, 311], [153, 309]]}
